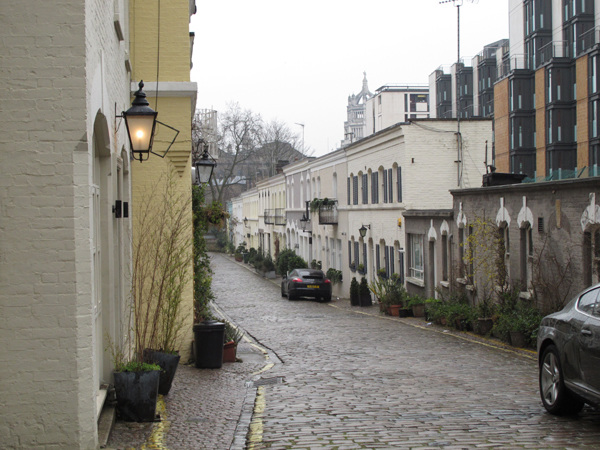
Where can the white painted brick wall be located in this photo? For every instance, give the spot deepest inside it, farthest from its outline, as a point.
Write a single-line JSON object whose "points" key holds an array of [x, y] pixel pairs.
{"points": [[50, 50]]}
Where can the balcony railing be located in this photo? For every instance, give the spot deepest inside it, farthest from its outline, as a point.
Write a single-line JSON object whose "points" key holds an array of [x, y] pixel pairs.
{"points": [[554, 49], [280, 216], [588, 40], [269, 217], [275, 216], [515, 62]]}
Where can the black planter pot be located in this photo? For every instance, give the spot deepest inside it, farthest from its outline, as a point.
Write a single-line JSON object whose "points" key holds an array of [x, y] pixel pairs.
{"points": [[168, 363], [137, 393], [365, 300], [404, 312], [354, 300]]}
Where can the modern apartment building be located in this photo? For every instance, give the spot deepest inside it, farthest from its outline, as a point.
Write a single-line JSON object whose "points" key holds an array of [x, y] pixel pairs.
{"points": [[547, 99], [468, 86]]}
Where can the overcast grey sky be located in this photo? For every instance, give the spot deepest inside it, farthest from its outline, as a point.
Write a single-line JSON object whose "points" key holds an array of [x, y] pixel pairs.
{"points": [[298, 62]]}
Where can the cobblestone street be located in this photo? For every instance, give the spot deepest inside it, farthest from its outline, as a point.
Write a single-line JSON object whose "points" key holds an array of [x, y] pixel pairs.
{"points": [[341, 377]]}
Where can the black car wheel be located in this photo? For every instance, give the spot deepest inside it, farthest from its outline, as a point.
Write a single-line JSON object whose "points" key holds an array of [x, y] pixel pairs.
{"points": [[282, 293], [555, 396]]}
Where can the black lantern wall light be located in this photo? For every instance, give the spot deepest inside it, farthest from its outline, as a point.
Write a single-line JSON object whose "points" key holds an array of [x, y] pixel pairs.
{"points": [[205, 166], [140, 121], [363, 230]]}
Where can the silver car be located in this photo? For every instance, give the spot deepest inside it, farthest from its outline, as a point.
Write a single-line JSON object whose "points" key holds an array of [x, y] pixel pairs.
{"points": [[569, 355]]}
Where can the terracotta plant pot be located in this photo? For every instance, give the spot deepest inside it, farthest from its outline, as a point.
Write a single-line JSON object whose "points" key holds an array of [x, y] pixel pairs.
{"points": [[394, 310], [229, 351]]}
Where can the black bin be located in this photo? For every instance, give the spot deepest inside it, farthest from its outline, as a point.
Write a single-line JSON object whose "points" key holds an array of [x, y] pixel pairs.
{"points": [[209, 337]]}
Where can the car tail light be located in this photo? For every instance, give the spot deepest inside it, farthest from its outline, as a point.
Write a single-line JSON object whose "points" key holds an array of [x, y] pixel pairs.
{"points": [[327, 281], [296, 280]]}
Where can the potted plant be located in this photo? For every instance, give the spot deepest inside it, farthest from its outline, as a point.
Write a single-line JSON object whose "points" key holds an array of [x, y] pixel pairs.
{"points": [[417, 304], [361, 269], [233, 335], [485, 311], [136, 387], [354, 292], [334, 275], [382, 273], [268, 267], [162, 258], [364, 293]]}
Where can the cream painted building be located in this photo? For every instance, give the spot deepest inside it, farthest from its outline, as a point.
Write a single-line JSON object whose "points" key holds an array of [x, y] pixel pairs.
{"points": [[64, 252], [298, 192], [249, 218], [162, 46], [406, 166], [329, 225], [272, 219]]}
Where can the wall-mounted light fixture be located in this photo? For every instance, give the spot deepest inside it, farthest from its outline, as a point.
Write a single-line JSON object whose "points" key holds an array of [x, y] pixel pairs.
{"points": [[140, 121], [303, 222], [363, 230], [245, 222], [120, 209], [204, 169]]}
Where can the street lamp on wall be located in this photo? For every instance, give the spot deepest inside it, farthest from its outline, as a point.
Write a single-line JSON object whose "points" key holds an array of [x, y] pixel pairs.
{"points": [[204, 168], [303, 222], [363, 230], [140, 121]]}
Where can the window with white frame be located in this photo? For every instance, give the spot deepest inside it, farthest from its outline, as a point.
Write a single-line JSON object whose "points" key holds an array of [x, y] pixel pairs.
{"points": [[415, 256]]}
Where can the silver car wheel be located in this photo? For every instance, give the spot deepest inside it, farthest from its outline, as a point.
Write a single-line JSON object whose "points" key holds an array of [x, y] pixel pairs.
{"points": [[550, 379]]}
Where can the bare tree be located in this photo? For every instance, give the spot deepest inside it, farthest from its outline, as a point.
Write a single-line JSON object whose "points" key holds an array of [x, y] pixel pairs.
{"points": [[553, 275], [234, 142], [279, 145], [247, 148]]}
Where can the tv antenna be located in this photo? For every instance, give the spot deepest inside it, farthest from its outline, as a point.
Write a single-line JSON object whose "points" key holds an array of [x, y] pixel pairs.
{"points": [[458, 4]]}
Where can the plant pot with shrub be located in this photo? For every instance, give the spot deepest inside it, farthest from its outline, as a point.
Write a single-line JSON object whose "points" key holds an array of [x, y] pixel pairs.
{"points": [[354, 292], [364, 293], [233, 335], [136, 388]]}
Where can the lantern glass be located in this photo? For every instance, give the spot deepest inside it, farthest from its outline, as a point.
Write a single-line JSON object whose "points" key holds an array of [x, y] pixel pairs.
{"points": [[141, 131], [204, 170]]}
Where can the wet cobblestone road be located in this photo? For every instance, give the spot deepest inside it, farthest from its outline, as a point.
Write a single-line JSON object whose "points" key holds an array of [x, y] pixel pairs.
{"points": [[346, 378]]}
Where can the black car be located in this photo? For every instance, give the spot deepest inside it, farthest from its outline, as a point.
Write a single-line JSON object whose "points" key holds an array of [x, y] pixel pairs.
{"points": [[306, 283], [569, 355]]}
